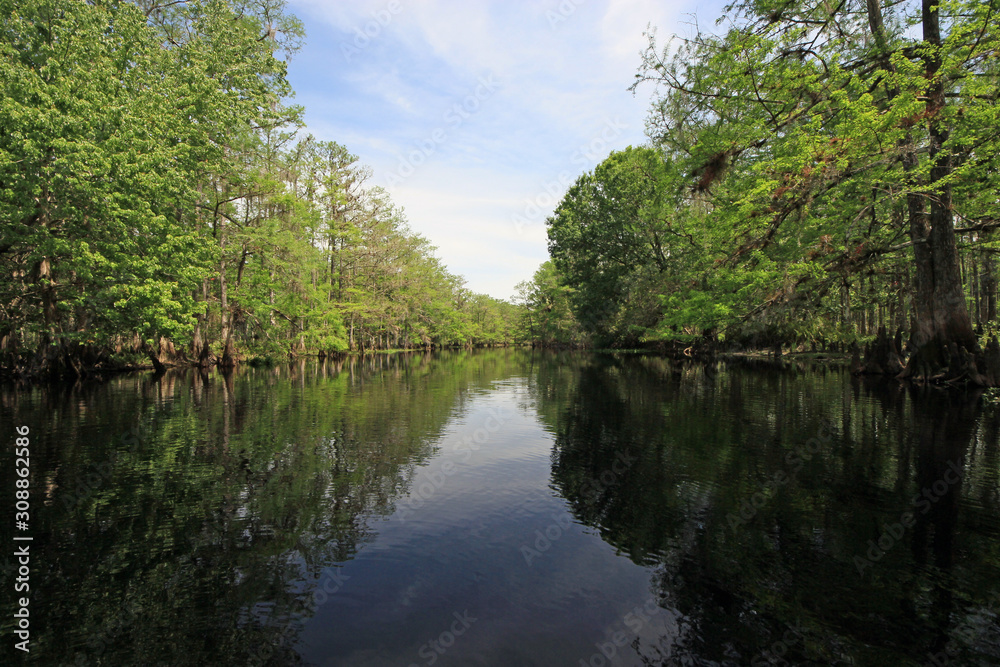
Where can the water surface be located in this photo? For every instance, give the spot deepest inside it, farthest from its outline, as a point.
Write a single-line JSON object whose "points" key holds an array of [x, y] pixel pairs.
{"points": [[508, 507]]}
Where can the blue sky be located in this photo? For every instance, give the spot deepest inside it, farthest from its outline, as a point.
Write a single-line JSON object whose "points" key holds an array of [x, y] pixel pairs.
{"points": [[477, 115]]}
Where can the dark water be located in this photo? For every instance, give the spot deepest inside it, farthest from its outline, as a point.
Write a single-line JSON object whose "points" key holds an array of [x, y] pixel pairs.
{"points": [[506, 508]]}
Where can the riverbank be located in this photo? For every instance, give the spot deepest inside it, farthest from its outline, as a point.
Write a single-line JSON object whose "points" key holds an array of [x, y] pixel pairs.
{"points": [[73, 369]]}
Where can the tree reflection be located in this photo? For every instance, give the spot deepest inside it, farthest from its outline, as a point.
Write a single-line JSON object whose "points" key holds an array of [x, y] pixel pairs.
{"points": [[754, 522], [196, 518]]}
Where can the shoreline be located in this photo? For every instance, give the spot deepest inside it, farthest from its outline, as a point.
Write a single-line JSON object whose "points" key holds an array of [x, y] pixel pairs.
{"points": [[104, 372]]}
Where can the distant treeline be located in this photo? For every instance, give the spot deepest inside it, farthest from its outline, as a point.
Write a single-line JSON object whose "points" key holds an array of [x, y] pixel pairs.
{"points": [[159, 202], [817, 174]]}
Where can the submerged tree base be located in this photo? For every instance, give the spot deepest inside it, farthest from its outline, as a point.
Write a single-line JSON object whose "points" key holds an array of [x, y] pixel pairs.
{"points": [[953, 364], [66, 362], [885, 356], [934, 362]]}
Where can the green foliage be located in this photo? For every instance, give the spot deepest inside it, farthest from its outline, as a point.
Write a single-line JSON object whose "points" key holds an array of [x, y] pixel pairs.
{"points": [[154, 193], [616, 231], [90, 189], [177, 519], [547, 315], [796, 161]]}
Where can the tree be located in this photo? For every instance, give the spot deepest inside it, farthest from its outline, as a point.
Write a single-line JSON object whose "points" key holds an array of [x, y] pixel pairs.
{"points": [[158, 201], [619, 231], [828, 127], [548, 314], [92, 185]]}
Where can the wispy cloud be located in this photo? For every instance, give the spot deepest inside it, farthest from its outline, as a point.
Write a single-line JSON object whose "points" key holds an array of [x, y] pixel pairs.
{"points": [[563, 68]]}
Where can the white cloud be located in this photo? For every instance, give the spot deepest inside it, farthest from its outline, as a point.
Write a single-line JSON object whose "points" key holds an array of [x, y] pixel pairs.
{"points": [[561, 84], [347, 16], [466, 215]]}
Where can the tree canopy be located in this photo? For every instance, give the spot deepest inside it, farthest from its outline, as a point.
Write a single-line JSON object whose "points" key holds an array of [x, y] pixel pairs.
{"points": [[815, 172], [159, 197]]}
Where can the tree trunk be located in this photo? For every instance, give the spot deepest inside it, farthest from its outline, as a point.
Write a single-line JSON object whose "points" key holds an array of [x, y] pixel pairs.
{"points": [[987, 285], [205, 356], [942, 327], [941, 316], [154, 357], [196, 341], [228, 359]]}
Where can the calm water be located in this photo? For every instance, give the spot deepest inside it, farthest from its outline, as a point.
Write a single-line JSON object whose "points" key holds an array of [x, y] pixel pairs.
{"points": [[507, 508]]}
